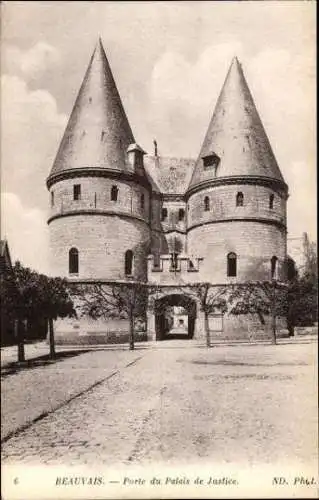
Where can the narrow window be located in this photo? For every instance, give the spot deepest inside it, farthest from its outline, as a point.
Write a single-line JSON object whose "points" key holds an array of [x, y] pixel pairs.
{"points": [[174, 261], [231, 264], [206, 204], [273, 263], [76, 192], [114, 193], [164, 214], [190, 265], [271, 201], [240, 199], [181, 214], [128, 262], [52, 198], [73, 261], [142, 201]]}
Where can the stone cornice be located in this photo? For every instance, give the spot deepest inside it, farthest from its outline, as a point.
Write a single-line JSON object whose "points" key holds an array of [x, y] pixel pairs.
{"points": [[98, 172], [168, 231], [261, 220], [72, 213], [105, 281], [275, 184], [173, 197]]}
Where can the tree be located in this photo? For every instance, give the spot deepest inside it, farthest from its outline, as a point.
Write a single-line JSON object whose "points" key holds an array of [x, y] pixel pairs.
{"points": [[260, 298], [211, 299], [55, 301], [310, 268], [10, 309], [115, 300], [35, 296], [303, 289]]}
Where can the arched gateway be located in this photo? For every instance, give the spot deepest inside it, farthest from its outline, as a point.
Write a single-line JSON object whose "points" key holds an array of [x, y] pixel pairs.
{"points": [[175, 316]]}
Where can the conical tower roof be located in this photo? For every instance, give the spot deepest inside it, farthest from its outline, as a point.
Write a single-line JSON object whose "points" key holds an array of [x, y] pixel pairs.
{"points": [[236, 135], [98, 133]]}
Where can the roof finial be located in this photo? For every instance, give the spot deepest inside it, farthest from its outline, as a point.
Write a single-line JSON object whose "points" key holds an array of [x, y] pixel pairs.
{"points": [[155, 147]]}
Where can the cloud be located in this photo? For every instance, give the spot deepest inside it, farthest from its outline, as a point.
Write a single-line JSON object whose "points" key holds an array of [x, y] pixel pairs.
{"points": [[183, 94], [31, 130], [31, 63], [285, 99], [26, 231], [302, 200]]}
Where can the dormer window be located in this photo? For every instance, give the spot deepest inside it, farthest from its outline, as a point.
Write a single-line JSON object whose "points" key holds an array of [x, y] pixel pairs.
{"points": [[211, 162], [135, 156]]}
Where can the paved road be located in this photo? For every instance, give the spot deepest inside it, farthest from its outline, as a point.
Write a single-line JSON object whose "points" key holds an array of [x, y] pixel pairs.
{"points": [[176, 404]]}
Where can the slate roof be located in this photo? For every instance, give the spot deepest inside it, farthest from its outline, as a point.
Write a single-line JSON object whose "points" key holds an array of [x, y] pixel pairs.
{"points": [[169, 175], [236, 135], [98, 132]]}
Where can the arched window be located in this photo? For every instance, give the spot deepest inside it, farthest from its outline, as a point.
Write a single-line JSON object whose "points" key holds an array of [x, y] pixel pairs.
{"points": [[273, 263], [231, 264], [52, 198], [128, 262], [73, 261], [271, 201], [164, 214], [181, 214], [114, 193], [142, 201], [206, 204], [240, 199]]}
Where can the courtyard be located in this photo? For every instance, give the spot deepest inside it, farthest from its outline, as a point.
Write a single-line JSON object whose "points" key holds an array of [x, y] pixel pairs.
{"points": [[172, 402]]}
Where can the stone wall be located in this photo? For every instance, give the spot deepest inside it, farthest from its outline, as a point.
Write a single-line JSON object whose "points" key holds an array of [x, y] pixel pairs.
{"points": [[101, 241], [222, 200], [253, 242], [96, 195]]}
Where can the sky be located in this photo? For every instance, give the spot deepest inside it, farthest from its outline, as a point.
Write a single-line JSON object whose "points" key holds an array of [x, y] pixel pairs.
{"points": [[169, 60]]}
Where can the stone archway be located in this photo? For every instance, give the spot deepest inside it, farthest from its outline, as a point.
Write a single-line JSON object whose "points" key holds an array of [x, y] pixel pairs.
{"points": [[175, 317]]}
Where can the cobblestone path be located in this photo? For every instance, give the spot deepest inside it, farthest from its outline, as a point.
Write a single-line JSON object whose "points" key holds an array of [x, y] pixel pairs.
{"points": [[28, 394], [223, 405]]}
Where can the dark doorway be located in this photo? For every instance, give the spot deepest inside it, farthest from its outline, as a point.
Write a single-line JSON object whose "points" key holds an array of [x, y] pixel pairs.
{"points": [[175, 317]]}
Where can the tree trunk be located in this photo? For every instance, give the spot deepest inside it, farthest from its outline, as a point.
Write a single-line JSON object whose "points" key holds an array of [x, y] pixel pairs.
{"points": [[51, 339], [18, 331], [206, 326], [273, 317], [273, 328], [131, 330]]}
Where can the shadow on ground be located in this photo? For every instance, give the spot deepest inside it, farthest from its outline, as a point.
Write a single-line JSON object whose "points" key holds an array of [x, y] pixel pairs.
{"points": [[44, 360]]}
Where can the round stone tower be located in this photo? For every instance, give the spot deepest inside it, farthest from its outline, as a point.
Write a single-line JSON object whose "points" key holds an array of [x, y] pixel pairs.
{"points": [[99, 192], [236, 200]]}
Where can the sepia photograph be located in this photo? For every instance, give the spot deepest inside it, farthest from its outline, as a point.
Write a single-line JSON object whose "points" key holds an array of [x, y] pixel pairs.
{"points": [[159, 278]]}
